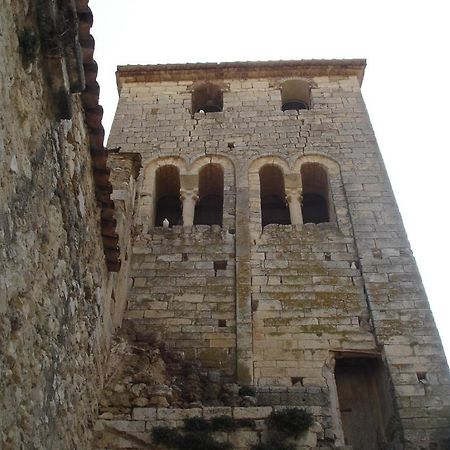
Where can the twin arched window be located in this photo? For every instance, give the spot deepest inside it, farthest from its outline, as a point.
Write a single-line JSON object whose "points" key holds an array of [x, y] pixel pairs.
{"points": [[207, 196], [313, 196]]}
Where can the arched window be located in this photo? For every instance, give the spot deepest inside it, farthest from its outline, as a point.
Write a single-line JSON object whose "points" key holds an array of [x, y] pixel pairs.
{"points": [[167, 196], [295, 95], [209, 208], [207, 97], [315, 205], [273, 198]]}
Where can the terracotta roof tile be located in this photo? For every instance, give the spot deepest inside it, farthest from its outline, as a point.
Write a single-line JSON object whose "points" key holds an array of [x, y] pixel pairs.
{"points": [[99, 154]]}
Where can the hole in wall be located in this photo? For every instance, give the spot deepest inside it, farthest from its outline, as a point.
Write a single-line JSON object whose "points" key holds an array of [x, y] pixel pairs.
{"points": [[421, 376], [295, 95], [207, 98], [220, 265], [297, 381], [222, 323]]}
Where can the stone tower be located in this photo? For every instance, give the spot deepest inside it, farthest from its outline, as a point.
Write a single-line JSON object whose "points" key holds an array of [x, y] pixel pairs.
{"points": [[268, 246]]}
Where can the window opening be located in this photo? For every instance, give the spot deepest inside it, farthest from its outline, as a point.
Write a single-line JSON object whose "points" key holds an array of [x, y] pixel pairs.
{"points": [[295, 95], [315, 208], [207, 97], [274, 208], [209, 208], [167, 196]]}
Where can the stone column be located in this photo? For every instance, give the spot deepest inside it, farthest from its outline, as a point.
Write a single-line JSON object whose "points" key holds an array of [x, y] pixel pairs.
{"points": [[189, 198], [146, 211], [294, 199]]}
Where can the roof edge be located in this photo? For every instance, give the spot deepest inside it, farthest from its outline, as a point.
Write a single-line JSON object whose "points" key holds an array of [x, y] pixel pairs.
{"points": [[240, 70]]}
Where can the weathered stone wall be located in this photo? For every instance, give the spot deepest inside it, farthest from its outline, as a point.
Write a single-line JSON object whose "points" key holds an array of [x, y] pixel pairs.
{"points": [[346, 278], [136, 430], [307, 300], [124, 172], [183, 287], [54, 284]]}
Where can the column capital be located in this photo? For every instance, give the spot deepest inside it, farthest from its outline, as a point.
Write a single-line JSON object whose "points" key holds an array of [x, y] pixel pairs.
{"points": [[188, 194], [293, 194]]}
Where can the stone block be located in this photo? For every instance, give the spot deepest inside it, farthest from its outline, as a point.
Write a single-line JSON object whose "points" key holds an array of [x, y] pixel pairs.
{"points": [[259, 412], [144, 413]]}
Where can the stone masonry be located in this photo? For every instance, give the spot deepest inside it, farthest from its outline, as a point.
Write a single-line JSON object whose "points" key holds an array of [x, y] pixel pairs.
{"points": [[285, 306], [283, 278], [62, 293]]}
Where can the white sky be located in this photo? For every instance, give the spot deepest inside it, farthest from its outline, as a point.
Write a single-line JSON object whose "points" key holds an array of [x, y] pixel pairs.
{"points": [[406, 85]]}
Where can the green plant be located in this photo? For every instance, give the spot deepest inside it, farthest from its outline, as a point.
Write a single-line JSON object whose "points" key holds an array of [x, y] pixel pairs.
{"points": [[196, 433], [291, 422], [224, 423], [245, 391], [201, 441], [246, 423], [197, 424], [166, 436], [275, 446]]}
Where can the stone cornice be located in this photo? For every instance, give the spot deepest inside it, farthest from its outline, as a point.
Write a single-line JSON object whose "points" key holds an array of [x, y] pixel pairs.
{"points": [[241, 70]]}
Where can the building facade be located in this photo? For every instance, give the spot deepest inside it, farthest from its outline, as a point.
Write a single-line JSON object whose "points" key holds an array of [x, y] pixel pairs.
{"points": [[268, 245]]}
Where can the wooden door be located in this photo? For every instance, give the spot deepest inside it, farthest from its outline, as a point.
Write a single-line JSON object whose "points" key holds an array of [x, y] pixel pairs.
{"points": [[360, 403]]}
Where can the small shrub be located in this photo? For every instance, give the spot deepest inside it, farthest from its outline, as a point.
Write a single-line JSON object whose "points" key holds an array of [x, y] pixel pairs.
{"points": [[197, 424], [223, 423], [275, 446], [166, 436], [291, 422], [201, 441], [247, 391], [195, 434], [246, 423]]}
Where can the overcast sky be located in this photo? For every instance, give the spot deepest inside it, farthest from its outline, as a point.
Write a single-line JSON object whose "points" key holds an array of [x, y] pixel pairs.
{"points": [[406, 85]]}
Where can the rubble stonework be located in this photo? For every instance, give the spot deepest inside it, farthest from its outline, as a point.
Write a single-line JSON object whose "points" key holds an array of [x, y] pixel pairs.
{"points": [[296, 308], [57, 313]]}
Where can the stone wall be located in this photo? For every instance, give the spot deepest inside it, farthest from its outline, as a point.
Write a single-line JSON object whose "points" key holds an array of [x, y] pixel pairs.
{"points": [[183, 287], [307, 300], [54, 285], [302, 294], [136, 431]]}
